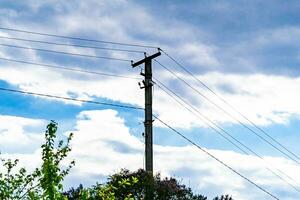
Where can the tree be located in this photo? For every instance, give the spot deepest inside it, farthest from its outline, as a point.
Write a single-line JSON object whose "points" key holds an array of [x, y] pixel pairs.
{"points": [[127, 185], [132, 185], [51, 173], [45, 182]]}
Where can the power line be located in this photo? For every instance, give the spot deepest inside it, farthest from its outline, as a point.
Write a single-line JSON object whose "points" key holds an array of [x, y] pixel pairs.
{"points": [[228, 104], [70, 99], [68, 69], [215, 158], [216, 105], [71, 45], [173, 95], [77, 38], [224, 131], [65, 53], [158, 83]]}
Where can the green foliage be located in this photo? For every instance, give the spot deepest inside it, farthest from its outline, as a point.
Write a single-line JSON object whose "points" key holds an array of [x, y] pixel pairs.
{"points": [[45, 182], [104, 191], [51, 173], [15, 184], [167, 188], [132, 186]]}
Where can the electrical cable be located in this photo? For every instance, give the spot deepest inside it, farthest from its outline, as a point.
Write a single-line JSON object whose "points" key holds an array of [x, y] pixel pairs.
{"points": [[228, 104], [158, 83], [68, 69], [213, 128], [72, 45], [70, 99], [210, 101], [215, 158], [77, 38], [65, 53]]}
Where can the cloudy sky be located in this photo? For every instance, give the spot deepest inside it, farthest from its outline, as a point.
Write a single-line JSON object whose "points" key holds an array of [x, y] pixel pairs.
{"points": [[247, 53]]}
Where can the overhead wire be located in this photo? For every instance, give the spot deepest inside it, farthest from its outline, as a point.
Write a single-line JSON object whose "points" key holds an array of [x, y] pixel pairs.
{"points": [[70, 99], [72, 45], [78, 38], [65, 53], [173, 95], [216, 159], [68, 69], [228, 104], [219, 107], [158, 84]]}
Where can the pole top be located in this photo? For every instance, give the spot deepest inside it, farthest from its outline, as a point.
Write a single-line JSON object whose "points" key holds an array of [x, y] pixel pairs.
{"points": [[145, 59]]}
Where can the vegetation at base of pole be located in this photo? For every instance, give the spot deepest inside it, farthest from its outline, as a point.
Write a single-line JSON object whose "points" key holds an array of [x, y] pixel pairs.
{"points": [[46, 182]]}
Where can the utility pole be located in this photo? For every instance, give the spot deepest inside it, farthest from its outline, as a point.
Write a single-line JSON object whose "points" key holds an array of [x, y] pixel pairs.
{"points": [[147, 85]]}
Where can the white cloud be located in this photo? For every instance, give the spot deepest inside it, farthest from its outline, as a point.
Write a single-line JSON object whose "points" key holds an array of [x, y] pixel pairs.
{"points": [[265, 99], [102, 136], [13, 136]]}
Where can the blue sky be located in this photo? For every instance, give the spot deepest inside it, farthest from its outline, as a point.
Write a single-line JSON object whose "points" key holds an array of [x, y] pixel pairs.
{"points": [[247, 52]]}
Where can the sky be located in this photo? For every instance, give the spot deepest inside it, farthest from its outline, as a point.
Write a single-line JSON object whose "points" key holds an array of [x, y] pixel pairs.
{"points": [[247, 52]]}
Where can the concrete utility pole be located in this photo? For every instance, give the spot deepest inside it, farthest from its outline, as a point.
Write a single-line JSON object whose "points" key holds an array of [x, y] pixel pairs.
{"points": [[148, 109]]}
